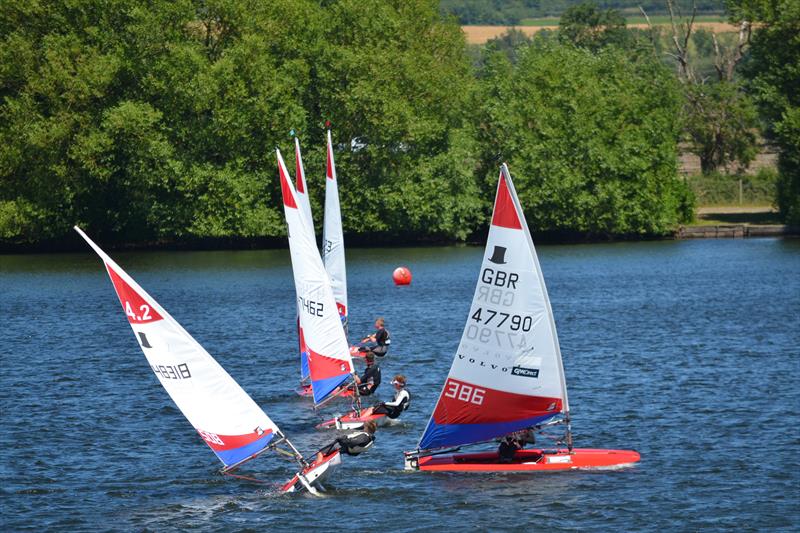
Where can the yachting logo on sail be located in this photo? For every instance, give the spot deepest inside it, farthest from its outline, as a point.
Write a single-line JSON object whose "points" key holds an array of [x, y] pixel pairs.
{"points": [[530, 369]]}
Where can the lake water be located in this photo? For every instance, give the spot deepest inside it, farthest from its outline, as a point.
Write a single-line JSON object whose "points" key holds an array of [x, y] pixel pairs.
{"points": [[685, 351]]}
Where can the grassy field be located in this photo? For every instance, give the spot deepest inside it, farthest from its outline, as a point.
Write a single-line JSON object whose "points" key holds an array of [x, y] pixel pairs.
{"points": [[734, 215], [481, 34], [632, 20]]}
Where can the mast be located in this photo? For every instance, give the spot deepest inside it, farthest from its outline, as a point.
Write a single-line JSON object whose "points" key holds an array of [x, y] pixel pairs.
{"points": [[551, 320]]}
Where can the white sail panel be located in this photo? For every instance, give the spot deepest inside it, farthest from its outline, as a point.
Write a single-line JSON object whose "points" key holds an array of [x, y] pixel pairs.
{"points": [[333, 238], [329, 358], [302, 188], [305, 206], [507, 373], [229, 421]]}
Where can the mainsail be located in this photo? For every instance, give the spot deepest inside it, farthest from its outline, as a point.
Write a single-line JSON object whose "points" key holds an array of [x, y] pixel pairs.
{"points": [[227, 419], [332, 238], [305, 206], [507, 374], [329, 358]]}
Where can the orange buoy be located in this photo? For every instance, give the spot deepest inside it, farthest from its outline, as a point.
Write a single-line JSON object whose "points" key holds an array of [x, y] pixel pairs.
{"points": [[401, 276]]}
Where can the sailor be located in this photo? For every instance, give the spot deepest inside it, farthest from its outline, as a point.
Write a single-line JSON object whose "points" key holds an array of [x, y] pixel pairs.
{"points": [[401, 401], [508, 448], [352, 444], [371, 378], [379, 341]]}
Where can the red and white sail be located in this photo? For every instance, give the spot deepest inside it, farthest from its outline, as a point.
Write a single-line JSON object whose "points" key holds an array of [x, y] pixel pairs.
{"points": [[229, 421], [333, 238], [329, 358], [507, 374], [304, 204], [301, 188]]}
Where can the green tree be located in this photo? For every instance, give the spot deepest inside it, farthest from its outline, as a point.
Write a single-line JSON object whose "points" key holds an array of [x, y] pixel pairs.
{"points": [[773, 73], [148, 120], [721, 124], [588, 26], [591, 138], [399, 108]]}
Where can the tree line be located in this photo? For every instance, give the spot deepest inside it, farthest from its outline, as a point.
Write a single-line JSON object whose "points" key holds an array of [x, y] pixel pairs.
{"points": [[156, 121]]}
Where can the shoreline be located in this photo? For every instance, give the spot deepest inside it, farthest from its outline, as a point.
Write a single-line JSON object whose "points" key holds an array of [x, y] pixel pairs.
{"points": [[682, 232]]}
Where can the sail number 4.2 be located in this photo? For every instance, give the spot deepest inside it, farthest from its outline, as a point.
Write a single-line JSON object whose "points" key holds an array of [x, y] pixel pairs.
{"points": [[142, 316]]}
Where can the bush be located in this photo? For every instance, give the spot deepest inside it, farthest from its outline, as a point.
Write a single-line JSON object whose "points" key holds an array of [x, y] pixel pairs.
{"points": [[590, 137]]}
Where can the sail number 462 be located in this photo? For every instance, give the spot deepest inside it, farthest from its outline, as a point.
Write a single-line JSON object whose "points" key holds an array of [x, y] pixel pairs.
{"points": [[464, 392]]}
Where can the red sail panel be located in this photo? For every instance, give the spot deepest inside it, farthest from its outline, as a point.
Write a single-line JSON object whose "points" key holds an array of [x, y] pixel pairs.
{"points": [[505, 213], [136, 308], [466, 403], [301, 188], [286, 190]]}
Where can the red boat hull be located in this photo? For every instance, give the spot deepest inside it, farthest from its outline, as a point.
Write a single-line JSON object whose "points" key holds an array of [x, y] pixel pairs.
{"points": [[305, 390], [528, 461]]}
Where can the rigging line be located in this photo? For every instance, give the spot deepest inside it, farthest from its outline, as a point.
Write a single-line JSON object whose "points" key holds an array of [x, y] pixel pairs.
{"points": [[239, 476]]}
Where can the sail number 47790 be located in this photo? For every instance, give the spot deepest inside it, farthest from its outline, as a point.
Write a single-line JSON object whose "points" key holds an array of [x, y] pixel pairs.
{"points": [[464, 392]]}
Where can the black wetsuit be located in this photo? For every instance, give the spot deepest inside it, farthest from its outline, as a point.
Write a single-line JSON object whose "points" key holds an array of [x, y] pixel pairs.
{"points": [[382, 342], [394, 408], [372, 372], [352, 444], [508, 448]]}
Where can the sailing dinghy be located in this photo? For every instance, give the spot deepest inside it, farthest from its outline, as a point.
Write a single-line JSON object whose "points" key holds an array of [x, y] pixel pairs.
{"points": [[226, 418], [507, 375], [329, 361]]}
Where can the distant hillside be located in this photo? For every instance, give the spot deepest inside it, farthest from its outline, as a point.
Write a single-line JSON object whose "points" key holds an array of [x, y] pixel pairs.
{"points": [[510, 12]]}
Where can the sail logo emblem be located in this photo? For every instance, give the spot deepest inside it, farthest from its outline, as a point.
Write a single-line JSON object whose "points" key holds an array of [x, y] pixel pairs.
{"points": [[498, 255], [525, 372]]}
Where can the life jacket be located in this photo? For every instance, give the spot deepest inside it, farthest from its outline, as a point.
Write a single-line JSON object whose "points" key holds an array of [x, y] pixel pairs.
{"points": [[402, 406], [407, 401]]}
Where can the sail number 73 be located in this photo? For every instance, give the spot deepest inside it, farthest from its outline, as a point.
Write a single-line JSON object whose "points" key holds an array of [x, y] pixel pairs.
{"points": [[464, 392]]}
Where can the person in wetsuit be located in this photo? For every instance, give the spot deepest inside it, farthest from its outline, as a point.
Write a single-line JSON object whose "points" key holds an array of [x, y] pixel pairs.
{"points": [[371, 378], [508, 448], [379, 341], [352, 444], [393, 409], [516, 441]]}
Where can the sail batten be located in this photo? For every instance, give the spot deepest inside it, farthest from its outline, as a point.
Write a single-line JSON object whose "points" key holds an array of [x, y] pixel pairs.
{"points": [[333, 237], [222, 413], [507, 373], [328, 353]]}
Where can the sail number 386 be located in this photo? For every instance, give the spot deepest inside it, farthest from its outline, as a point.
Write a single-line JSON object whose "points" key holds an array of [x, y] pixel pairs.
{"points": [[464, 392]]}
